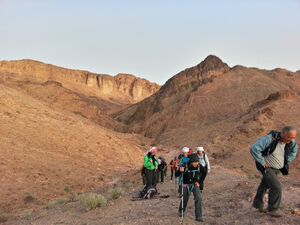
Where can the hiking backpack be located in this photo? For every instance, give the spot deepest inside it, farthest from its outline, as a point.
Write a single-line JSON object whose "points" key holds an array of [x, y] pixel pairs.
{"points": [[148, 192]]}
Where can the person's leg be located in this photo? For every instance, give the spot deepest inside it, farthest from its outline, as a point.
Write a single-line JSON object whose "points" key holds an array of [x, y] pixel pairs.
{"points": [[260, 193], [149, 177], [179, 189], [185, 197], [198, 203], [275, 191], [162, 176], [154, 178], [203, 172], [171, 174]]}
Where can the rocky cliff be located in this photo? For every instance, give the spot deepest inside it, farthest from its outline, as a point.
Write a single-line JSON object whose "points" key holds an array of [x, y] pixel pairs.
{"points": [[122, 88]]}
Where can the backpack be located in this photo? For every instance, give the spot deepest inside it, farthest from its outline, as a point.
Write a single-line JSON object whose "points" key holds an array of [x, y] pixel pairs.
{"points": [[148, 192]]}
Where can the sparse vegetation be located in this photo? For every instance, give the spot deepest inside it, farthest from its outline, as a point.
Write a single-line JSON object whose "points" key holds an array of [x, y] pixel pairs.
{"points": [[92, 200], [54, 203], [74, 197], [115, 193]]}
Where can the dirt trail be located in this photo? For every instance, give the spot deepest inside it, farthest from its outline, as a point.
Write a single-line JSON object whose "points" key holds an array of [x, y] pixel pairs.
{"points": [[226, 200]]}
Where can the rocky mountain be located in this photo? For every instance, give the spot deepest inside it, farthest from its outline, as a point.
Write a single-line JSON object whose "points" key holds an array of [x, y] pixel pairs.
{"points": [[222, 108], [57, 133], [74, 131], [120, 89]]}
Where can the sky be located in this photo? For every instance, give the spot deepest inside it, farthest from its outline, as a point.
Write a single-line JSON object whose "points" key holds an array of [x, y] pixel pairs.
{"points": [[153, 39]]}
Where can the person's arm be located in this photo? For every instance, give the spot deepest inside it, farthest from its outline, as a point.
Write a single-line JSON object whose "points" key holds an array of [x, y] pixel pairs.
{"points": [[257, 149], [180, 169], [155, 163], [198, 182], [293, 153], [208, 163], [178, 172]]}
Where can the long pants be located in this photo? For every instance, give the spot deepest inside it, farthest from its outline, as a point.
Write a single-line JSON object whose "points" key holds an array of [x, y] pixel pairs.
{"points": [[172, 173], [187, 190], [165, 171], [203, 172], [160, 176], [269, 181], [150, 178]]}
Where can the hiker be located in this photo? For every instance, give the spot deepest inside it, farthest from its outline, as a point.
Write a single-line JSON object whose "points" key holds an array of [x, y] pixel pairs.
{"points": [[161, 168], [204, 165], [183, 160], [190, 184], [173, 166], [165, 168], [273, 154], [150, 165]]}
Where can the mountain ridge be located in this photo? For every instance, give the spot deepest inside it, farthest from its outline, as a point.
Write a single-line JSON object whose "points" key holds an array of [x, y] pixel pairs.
{"points": [[123, 88]]}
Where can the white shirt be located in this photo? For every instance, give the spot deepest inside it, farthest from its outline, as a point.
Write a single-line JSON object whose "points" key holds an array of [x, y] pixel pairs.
{"points": [[276, 159]]}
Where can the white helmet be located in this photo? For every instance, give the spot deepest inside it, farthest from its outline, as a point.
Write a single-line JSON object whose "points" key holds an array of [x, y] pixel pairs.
{"points": [[200, 149], [185, 149]]}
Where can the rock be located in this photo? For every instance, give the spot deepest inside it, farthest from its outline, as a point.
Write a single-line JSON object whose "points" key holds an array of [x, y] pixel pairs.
{"points": [[296, 212]]}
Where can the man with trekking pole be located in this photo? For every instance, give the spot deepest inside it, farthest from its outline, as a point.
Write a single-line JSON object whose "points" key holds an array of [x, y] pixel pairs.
{"points": [[273, 154], [190, 183]]}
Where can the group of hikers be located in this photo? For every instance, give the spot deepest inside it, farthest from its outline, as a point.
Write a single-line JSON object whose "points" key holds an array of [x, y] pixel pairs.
{"points": [[272, 153], [190, 169]]}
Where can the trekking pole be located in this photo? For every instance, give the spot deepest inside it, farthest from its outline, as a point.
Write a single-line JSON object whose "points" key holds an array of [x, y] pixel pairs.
{"points": [[182, 200]]}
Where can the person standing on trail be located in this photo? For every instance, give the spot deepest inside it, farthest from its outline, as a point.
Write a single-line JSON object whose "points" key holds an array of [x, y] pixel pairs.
{"points": [[183, 161], [173, 166], [190, 184], [273, 154], [161, 168], [204, 165], [150, 165]]}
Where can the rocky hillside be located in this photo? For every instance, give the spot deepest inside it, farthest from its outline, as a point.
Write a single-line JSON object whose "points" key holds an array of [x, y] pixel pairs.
{"points": [[122, 88], [47, 152], [57, 135], [225, 109]]}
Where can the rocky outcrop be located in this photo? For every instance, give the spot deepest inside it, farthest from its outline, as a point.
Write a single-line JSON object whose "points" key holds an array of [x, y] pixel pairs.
{"points": [[209, 98], [176, 89], [122, 88], [190, 79]]}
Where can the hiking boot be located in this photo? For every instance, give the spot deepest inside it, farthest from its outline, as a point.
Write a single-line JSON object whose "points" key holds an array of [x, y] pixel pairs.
{"points": [[262, 210], [199, 219], [260, 207], [275, 213]]}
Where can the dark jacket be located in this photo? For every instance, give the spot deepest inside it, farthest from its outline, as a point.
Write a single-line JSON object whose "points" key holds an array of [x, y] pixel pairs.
{"points": [[191, 175], [162, 165]]}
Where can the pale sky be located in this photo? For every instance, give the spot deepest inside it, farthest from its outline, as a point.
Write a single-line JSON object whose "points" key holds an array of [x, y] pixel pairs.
{"points": [[153, 39]]}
